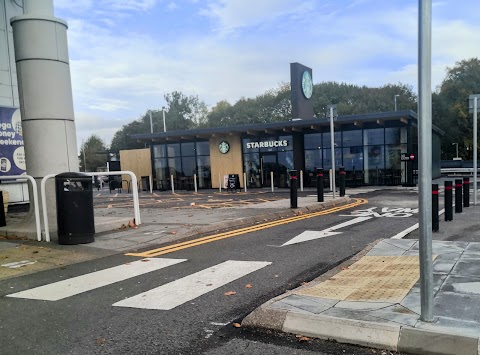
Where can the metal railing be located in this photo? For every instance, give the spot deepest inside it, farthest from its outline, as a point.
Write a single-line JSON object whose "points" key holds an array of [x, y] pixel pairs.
{"points": [[136, 205], [35, 199]]}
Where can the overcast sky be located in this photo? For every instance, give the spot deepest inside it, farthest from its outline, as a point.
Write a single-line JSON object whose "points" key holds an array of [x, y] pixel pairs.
{"points": [[126, 54]]}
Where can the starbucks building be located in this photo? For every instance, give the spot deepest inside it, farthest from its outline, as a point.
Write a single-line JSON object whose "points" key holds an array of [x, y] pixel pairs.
{"points": [[375, 149]]}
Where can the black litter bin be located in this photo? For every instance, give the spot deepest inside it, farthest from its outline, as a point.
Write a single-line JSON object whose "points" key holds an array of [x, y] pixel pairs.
{"points": [[75, 219]]}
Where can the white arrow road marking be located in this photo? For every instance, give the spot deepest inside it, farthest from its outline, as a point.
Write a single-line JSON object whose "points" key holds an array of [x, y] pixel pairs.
{"points": [[70, 287], [178, 292], [311, 235]]}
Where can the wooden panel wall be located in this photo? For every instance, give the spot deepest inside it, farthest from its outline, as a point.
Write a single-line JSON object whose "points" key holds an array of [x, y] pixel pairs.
{"points": [[137, 161], [224, 164]]}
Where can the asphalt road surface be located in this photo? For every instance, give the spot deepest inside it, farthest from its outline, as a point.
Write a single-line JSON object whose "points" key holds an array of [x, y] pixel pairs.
{"points": [[184, 299]]}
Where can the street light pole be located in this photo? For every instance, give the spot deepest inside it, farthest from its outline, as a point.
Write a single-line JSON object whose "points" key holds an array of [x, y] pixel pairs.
{"points": [[332, 146], [164, 126], [84, 160], [475, 168], [395, 99], [151, 123], [456, 146], [425, 157]]}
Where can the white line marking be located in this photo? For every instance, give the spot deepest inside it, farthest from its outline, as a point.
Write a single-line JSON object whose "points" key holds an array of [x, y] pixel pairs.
{"points": [[17, 264], [311, 235], [407, 231], [178, 292], [70, 287]]}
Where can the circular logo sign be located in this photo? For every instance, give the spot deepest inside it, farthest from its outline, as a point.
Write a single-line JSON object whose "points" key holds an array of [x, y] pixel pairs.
{"points": [[224, 147], [307, 84]]}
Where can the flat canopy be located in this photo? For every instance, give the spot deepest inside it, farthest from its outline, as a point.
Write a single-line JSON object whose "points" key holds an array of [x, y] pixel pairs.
{"points": [[315, 125]]}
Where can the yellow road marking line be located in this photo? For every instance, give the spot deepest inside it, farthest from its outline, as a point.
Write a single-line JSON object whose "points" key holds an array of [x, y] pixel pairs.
{"points": [[258, 227]]}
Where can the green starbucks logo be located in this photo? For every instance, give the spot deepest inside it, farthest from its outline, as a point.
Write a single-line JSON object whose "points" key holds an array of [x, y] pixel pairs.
{"points": [[224, 147]]}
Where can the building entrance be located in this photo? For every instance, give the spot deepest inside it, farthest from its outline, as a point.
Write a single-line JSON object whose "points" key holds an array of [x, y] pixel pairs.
{"points": [[268, 164]]}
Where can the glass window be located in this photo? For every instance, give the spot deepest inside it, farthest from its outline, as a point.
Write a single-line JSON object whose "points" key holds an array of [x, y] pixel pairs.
{"points": [[173, 149], [337, 139], [269, 143], [373, 136], [353, 158], [188, 149], [160, 166], [374, 157], [352, 138], [392, 135], [252, 169], [203, 148], [159, 151], [175, 167], [188, 166], [313, 141], [392, 155], [327, 161], [313, 160], [204, 172]]}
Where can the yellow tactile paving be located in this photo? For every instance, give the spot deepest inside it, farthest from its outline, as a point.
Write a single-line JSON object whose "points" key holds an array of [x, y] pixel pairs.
{"points": [[372, 278]]}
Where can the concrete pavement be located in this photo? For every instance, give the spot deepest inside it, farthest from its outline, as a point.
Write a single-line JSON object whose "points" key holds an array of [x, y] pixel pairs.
{"points": [[373, 299]]}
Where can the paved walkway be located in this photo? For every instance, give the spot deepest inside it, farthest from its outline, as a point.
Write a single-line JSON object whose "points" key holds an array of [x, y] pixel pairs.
{"points": [[374, 300]]}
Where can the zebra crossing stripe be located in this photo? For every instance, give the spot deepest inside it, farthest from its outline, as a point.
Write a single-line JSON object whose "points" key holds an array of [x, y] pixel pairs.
{"points": [[178, 292], [76, 285]]}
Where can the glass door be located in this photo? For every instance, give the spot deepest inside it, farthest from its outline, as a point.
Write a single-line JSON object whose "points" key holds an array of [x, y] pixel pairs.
{"points": [[268, 163]]}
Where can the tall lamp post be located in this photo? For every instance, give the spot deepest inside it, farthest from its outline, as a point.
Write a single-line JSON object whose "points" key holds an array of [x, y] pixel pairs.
{"points": [[164, 126], [456, 144], [333, 112], [395, 100], [473, 108], [84, 160]]}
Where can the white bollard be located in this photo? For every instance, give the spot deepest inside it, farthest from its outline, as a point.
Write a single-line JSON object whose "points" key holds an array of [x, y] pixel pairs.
{"points": [[271, 179], [219, 183], [172, 184], [301, 180], [330, 178], [151, 183], [245, 181], [195, 182]]}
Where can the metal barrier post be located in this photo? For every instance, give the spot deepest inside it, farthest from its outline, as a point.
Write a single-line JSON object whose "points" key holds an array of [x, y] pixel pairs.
{"points": [[172, 184], [3, 221], [448, 201], [341, 174], [150, 180], [319, 185], [458, 195], [219, 183], [466, 192], [331, 181], [195, 183], [271, 179], [293, 189], [245, 181], [435, 218], [36, 208], [301, 180]]}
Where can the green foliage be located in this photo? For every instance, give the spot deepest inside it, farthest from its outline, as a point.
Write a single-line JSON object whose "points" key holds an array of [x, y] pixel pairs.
{"points": [[94, 152], [450, 107]]}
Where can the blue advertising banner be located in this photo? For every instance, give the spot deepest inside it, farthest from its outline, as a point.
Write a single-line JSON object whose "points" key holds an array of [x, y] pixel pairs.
{"points": [[12, 153]]}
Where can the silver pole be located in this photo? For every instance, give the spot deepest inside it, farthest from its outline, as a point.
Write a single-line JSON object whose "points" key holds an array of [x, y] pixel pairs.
{"points": [[172, 184], [151, 123], [245, 181], [332, 146], [475, 150], [84, 160], [425, 157], [271, 179], [195, 182], [164, 126]]}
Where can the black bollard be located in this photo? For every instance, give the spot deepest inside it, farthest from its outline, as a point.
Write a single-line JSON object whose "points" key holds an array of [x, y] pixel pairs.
{"points": [[341, 174], [3, 221], [293, 189], [466, 192], [320, 185], [448, 201], [458, 196], [435, 220]]}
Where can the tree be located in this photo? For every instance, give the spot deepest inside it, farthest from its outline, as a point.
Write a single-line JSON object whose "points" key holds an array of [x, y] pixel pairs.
{"points": [[94, 152], [450, 107]]}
